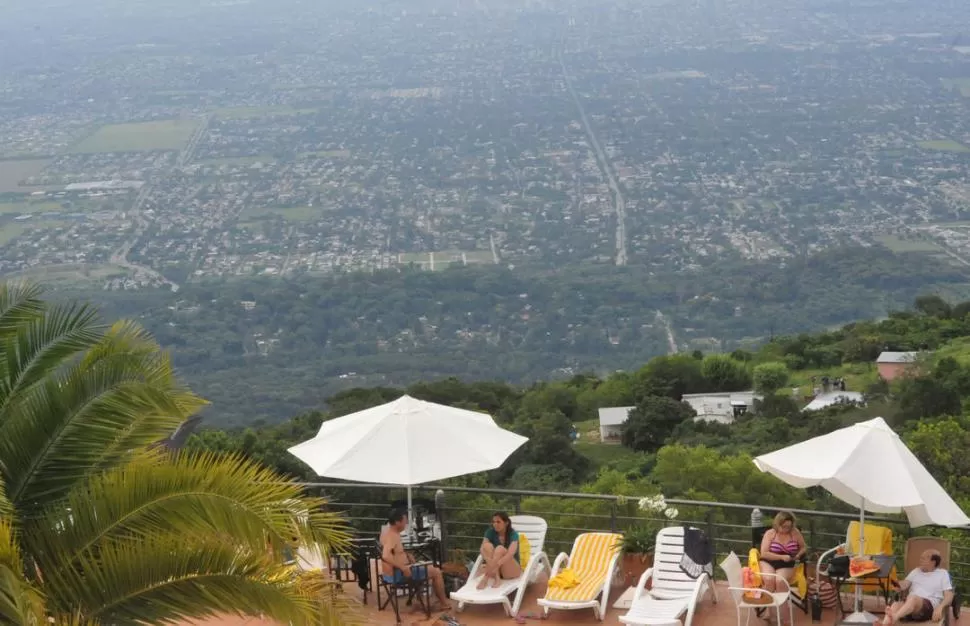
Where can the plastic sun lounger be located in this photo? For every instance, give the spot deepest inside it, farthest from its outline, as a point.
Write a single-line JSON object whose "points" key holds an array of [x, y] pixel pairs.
{"points": [[534, 528]]}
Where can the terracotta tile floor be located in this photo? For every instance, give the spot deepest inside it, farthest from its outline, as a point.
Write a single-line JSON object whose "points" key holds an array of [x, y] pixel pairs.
{"points": [[721, 614]]}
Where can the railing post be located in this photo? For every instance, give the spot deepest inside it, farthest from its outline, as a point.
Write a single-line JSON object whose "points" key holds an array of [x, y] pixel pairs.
{"points": [[709, 519], [440, 513], [811, 534], [613, 516], [517, 505]]}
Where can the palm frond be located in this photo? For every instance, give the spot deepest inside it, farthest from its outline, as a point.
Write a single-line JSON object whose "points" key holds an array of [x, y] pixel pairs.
{"points": [[6, 507], [180, 578], [19, 303], [75, 423], [20, 602], [155, 496], [40, 347]]}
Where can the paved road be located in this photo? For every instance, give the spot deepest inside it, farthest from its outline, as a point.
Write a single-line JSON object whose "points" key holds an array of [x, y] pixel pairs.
{"points": [[671, 340], [619, 204]]}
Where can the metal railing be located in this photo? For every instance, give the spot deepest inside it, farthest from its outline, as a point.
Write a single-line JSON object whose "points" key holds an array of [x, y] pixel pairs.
{"points": [[464, 513]]}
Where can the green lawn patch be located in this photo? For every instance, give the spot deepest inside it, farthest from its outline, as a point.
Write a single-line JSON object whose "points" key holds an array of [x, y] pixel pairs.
{"points": [[289, 214], [899, 245], [71, 274], [242, 113], [959, 84], [943, 145], [20, 208], [139, 137], [243, 160], [12, 172]]}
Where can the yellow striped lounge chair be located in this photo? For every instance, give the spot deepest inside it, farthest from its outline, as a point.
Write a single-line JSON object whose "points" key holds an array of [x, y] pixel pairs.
{"points": [[592, 562]]}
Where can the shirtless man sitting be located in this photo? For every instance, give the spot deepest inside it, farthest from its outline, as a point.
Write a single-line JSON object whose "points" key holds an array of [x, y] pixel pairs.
{"points": [[930, 592], [396, 562]]}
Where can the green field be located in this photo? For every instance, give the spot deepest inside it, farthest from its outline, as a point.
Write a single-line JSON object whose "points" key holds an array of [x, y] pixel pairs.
{"points": [[12, 172], [19, 208], [960, 84], [327, 154], [71, 274], [11, 230], [444, 258], [242, 113], [899, 245], [140, 137], [943, 145], [290, 213], [243, 160]]}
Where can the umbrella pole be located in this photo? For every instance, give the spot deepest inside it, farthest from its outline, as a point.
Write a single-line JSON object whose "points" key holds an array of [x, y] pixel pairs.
{"points": [[410, 514], [860, 615]]}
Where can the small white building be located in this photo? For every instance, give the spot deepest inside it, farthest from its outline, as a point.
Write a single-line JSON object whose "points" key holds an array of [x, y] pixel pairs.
{"points": [[722, 407], [611, 422], [831, 398]]}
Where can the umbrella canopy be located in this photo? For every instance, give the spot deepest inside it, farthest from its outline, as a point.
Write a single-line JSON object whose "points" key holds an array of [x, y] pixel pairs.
{"points": [[867, 465], [407, 442]]}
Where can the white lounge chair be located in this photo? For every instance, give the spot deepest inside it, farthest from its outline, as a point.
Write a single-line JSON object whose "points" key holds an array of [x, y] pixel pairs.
{"points": [[534, 528], [673, 593], [593, 560]]}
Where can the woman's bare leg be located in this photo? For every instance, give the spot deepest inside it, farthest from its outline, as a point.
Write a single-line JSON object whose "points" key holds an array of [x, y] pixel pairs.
{"points": [[510, 569], [498, 555], [488, 554], [768, 582]]}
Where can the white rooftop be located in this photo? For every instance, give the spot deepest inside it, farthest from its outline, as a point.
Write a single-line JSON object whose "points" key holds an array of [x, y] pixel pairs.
{"points": [[614, 415], [897, 357], [830, 398]]}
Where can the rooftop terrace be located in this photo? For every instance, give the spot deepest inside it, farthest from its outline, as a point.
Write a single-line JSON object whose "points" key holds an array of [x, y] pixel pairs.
{"points": [[708, 614], [464, 512]]}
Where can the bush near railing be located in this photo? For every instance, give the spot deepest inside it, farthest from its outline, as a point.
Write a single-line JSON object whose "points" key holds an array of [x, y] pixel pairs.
{"points": [[468, 512]]}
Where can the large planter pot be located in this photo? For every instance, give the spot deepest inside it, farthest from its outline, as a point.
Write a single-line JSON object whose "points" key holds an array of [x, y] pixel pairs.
{"points": [[634, 565]]}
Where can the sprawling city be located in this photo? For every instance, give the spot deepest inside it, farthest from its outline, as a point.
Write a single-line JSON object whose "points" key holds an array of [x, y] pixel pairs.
{"points": [[478, 312], [441, 133]]}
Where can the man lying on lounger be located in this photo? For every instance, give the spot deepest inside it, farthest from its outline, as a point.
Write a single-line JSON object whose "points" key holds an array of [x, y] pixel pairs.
{"points": [[930, 592], [396, 562]]}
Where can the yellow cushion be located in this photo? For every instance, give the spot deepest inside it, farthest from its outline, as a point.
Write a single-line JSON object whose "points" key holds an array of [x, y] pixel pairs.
{"points": [[523, 550], [754, 563]]}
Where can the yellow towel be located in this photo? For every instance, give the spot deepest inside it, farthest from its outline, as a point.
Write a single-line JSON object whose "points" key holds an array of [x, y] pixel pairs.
{"points": [[565, 579], [799, 582], [588, 563], [878, 540]]}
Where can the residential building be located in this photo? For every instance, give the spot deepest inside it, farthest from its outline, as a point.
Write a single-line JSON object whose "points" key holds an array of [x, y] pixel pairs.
{"points": [[611, 422], [892, 365], [722, 407]]}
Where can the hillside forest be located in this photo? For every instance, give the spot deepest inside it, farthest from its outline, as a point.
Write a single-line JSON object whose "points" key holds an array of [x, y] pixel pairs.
{"points": [[264, 349], [664, 450]]}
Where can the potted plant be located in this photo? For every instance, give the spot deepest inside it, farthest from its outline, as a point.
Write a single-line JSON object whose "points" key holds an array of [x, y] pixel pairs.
{"points": [[636, 549], [638, 542]]}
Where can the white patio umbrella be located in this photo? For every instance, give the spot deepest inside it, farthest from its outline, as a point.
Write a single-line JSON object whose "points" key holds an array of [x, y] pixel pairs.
{"points": [[407, 442], [866, 465]]}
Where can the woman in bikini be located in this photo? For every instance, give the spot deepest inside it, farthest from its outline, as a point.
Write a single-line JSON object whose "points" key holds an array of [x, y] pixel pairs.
{"points": [[781, 547]]}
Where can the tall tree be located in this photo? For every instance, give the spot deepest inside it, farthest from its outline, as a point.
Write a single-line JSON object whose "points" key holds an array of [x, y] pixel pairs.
{"points": [[96, 526]]}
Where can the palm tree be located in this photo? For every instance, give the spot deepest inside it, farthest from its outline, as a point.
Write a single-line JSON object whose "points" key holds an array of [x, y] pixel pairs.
{"points": [[96, 526]]}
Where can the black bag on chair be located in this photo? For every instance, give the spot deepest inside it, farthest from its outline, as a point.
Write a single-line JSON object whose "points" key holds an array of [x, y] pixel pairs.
{"points": [[838, 566]]}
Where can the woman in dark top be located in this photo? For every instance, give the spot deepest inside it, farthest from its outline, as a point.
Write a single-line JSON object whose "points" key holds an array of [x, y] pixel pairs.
{"points": [[500, 551]]}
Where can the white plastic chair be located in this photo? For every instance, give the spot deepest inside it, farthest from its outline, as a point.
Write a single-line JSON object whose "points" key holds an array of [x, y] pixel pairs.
{"points": [[674, 594], [732, 568], [534, 528]]}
